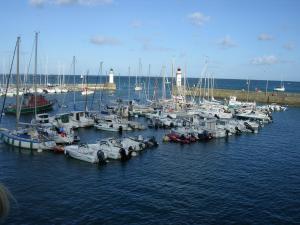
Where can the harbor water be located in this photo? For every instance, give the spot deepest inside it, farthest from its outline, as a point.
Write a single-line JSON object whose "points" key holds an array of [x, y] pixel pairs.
{"points": [[247, 179]]}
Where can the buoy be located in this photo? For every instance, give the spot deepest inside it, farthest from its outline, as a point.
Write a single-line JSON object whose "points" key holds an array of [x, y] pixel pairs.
{"points": [[166, 138]]}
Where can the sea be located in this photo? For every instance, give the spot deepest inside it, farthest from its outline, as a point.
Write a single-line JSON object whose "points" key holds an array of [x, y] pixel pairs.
{"points": [[247, 179]]}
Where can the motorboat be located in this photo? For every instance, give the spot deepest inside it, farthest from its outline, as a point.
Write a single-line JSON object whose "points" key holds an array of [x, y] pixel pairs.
{"points": [[81, 119], [133, 143], [112, 125], [254, 115], [91, 153], [114, 149], [87, 92]]}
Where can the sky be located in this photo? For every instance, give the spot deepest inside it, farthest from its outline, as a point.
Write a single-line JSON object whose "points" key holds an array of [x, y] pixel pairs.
{"points": [[241, 39]]}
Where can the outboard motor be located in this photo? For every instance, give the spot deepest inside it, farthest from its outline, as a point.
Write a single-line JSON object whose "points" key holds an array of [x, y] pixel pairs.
{"points": [[227, 133], [217, 116], [130, 151], [120, 129], [249, 127], [101, 156], [141, 146], [270, 116], [156, 125], [153, 141], [237, 131], [123, 154]]}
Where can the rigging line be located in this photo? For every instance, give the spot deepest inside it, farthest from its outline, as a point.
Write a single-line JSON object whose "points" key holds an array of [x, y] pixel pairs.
{"points": [[27, 74], [8, 79], [65, 94], [97, 80]]}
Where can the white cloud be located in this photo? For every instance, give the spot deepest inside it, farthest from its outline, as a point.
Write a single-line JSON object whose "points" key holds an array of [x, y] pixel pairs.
{"points": [[198, 18], [265, 37], [226, 42], [265, 60], [289, 46], [65, 2], [39, 3], [147, 45], [136, 24], [102, 40]]}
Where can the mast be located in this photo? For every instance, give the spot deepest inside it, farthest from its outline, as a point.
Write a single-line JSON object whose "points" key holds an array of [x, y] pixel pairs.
{"points": [[267, 87], [8, 78], [129, 83], [148, 88], [100, 81], [86, 89], [184, 83], [248, 89], [74, 83], [35, 73], [17, 84], [136, 79], [46, 75], [163, 83], [119, 81], [140, 71], [172, 75]]}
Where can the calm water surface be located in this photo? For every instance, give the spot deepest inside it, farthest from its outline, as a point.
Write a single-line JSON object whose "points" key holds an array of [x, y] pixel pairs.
{"points": [[249, 179]]}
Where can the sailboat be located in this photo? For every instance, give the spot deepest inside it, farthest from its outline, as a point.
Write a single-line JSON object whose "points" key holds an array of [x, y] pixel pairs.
{"points": [[31, 102], [281, 88], [29, 138], [138, 86], [85, 89]]}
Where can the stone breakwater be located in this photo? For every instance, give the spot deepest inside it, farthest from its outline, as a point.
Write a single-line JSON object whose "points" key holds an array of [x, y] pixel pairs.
{"points": [[282, 98]]}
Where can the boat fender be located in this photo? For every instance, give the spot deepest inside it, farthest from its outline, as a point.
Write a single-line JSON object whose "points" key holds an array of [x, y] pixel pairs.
{"points": [[166, 138], [101, 156]]}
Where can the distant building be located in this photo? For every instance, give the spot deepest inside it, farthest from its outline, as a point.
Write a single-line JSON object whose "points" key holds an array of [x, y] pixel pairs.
{"points": [[178, 77], [111, 76]]}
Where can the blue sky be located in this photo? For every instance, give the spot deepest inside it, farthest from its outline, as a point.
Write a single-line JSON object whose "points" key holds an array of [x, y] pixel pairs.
{"points": [[238, 38]]}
